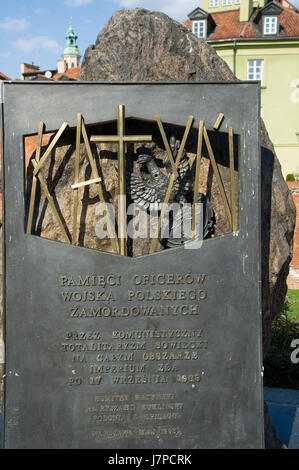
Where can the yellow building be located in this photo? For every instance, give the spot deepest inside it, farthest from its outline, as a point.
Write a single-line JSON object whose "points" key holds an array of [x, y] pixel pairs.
{"points": [[260, 41]]}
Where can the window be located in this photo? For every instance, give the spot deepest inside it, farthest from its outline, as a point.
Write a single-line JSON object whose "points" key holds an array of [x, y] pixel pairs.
{"points": [[255, 70], [237, 2], [270, 25], [226, 2], [199, 28], [213, 3]]}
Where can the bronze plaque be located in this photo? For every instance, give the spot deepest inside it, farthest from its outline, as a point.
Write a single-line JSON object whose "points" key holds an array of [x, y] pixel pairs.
{"points": [[112, 351]]}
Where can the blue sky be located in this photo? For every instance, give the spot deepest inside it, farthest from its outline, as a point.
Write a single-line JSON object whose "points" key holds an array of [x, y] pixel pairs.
{"points": [[34, 30]]}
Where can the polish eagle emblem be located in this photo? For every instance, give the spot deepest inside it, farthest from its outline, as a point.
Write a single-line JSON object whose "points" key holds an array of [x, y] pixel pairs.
{"points": [[152, 190]]}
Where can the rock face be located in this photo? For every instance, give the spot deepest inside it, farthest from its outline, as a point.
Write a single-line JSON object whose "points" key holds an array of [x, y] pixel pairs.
{"points": [[139, 45]]}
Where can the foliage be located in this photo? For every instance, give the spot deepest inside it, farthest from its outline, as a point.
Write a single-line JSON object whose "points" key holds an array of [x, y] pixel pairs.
{"points": [[292, 305], [279, 370], [290, 177]]}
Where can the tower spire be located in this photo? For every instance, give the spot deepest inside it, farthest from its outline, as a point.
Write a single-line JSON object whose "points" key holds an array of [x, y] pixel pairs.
{"points": [[71, 52]]}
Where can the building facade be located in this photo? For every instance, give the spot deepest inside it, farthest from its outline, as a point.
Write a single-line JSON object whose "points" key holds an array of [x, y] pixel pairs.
{"points": [[260, 41]]}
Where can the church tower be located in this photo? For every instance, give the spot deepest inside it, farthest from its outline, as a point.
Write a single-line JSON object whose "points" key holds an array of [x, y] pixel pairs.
{"points": [[71, 53]]}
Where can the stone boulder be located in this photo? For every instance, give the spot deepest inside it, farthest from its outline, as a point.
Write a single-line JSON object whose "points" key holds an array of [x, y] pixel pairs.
{"points": [[139, 45]]}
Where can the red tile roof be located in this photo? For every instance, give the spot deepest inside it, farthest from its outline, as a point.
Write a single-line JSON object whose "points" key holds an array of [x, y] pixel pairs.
{"points": [[289, 20], [4, 77], [73, 73], [228, 25], [57, 76], [70, 74], [187, 23]]}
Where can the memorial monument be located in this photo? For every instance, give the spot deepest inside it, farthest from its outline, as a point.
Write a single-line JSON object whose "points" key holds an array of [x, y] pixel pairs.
{"points": [[134, 342], [116, 350]]}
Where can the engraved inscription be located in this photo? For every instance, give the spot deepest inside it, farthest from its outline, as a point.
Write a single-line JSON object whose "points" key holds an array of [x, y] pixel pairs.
{"points": [[136, 411], [125, 358]]}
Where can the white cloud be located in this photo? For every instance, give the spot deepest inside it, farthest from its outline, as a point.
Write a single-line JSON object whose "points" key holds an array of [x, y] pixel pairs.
{"points": [[14, 24], [40, 11], [77, 3], [177, 9], [37, 43]]}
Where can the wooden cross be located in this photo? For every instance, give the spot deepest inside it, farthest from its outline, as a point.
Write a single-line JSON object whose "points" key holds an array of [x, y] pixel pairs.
{"points": [[121, 139]]}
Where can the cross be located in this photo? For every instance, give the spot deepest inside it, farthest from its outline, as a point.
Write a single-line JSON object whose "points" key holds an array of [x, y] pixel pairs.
{"points": [[81, 129], [86, 183], [121, 139]]}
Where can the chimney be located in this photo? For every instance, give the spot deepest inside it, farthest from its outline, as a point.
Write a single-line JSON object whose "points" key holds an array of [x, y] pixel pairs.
{"points": [[246, 7], [61, 66]]}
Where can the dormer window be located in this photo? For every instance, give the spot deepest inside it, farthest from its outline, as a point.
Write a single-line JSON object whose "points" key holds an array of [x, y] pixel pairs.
{"points": [[199, 28], [202, 23], [267, 20], [270, 25]]}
